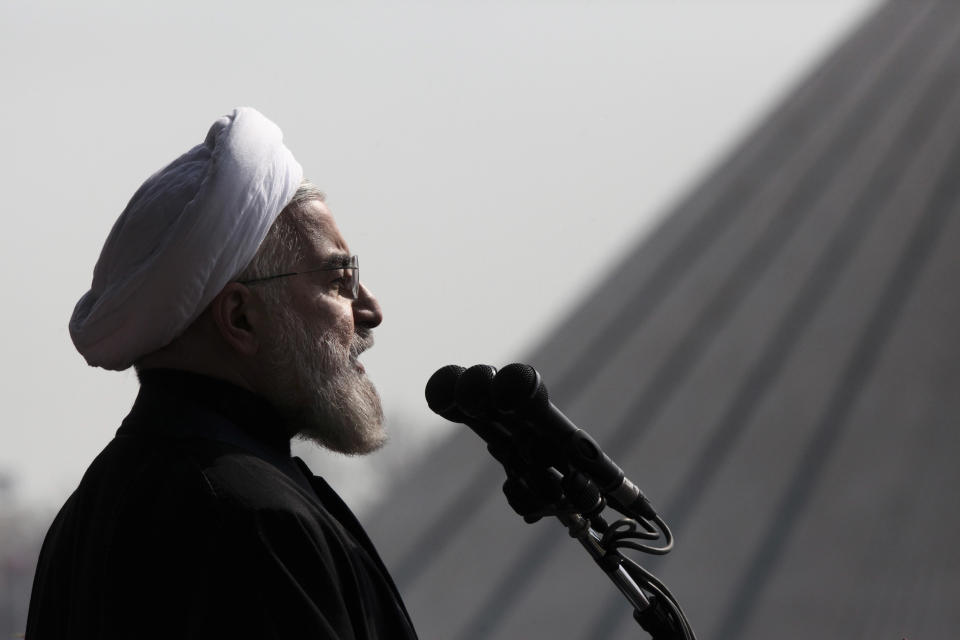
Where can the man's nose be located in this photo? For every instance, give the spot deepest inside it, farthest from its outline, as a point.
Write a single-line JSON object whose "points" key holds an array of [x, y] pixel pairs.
{"points": [[366, 309]]}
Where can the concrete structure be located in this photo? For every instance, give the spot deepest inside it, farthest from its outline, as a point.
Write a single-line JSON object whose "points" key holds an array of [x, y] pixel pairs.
{"points": [[778, 367]]}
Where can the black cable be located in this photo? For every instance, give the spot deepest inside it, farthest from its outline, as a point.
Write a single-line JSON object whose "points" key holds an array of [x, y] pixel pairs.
{"points": [[647, 580], [623, 532], [627, 528]]}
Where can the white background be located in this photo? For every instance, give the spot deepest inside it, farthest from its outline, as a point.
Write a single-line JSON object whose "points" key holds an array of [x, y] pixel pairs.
{"points": [[488, 161]]}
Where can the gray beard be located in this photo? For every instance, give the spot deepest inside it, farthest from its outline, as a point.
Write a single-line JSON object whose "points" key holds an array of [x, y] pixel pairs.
{"points": [[318, 389]]}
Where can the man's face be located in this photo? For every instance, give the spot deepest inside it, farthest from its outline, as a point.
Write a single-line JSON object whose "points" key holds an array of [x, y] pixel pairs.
{"points": [[318, 333]]}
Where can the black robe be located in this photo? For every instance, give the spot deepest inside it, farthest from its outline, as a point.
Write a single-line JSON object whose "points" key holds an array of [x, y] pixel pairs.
{"points": [[195, 522]]}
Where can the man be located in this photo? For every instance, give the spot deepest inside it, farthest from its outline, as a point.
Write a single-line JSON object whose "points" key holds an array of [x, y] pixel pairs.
{"points": [[227, 284]]}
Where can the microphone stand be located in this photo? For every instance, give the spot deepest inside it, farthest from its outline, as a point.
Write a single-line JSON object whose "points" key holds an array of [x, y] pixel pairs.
{"points": [[534, 491], [580, 529], [576, 502], [657, 613], [545, 478]]}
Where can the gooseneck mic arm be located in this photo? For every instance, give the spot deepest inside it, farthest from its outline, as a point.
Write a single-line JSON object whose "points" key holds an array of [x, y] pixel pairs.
{"points": [[556, 469]]}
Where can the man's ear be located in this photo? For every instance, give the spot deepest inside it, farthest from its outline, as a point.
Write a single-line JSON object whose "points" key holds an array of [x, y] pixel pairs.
{"points": [[239, 317]]}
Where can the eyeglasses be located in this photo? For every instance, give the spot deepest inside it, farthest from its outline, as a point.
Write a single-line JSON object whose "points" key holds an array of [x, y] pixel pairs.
{"points": [[351, 278]]}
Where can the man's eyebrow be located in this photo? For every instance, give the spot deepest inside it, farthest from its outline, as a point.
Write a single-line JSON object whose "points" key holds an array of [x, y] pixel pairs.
{"points": [[337, 260]]}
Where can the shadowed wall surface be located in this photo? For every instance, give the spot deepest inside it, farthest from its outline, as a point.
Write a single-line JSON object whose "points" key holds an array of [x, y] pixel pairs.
{"points": [[777, 367]]}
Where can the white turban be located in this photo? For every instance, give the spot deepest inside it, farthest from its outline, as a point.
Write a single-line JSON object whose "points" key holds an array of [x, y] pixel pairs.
{"points": [[188, 231]]}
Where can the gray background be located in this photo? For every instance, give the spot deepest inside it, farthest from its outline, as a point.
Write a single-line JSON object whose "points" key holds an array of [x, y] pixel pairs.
{"points": [[722, 230]]}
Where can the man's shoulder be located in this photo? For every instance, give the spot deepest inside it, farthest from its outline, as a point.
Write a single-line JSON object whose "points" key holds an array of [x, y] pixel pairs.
{"points": [[220, 474]]}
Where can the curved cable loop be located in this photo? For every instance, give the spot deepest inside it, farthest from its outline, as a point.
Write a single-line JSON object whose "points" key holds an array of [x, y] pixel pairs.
{"points": [[623, 533]]}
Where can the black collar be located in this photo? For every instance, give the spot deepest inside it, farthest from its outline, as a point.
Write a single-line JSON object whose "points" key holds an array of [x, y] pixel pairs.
{"points": [[185, 404]]}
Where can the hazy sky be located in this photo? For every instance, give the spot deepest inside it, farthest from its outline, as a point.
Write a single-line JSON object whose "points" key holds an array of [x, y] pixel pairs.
{"points": [[487, 160]]}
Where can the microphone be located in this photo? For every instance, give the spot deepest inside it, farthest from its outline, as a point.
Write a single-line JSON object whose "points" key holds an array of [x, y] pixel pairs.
{"points": [[472, 391], [519, 390], [474, 397], [534, 486], [441, 398], [441, 391]]}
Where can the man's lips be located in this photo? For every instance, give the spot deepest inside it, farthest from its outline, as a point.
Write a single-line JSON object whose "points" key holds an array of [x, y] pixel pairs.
{"points": [[354, 360], [361, 344]]}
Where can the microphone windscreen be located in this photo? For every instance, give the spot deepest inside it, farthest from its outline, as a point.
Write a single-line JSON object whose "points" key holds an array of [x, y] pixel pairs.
{"points": [[517, 387], [441, 389], [474, 391]]}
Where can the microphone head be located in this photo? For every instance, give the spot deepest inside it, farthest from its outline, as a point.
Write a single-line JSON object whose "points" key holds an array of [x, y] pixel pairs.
{"points": [[441, 389], [519, 387], [474, 389]]}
